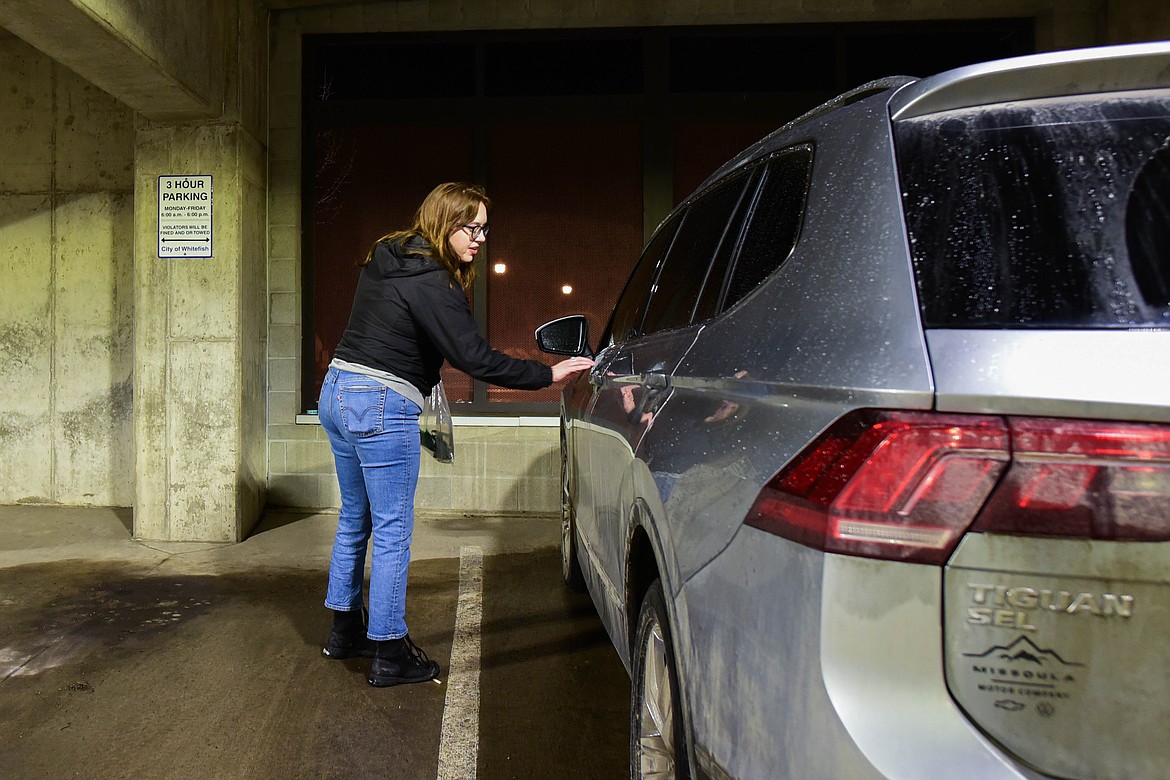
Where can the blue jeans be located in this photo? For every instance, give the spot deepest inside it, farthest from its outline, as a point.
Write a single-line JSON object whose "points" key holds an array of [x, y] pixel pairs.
{"points": [[373, 432]]}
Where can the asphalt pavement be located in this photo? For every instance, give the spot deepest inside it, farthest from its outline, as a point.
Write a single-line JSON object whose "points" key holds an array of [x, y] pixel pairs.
{"points": [[121, 659]]}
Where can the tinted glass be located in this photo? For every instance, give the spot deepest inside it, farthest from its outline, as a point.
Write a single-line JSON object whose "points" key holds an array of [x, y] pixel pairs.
{"points": [[749, 62], [375, 71], [919, 50], [593, 66], [712, 294], [773, 224], [626, 320], [1147, 228], [1046, 214], [706, 238]]}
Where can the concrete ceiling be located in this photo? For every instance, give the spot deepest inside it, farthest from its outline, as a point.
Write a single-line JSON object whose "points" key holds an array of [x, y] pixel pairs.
{"points": [[278, 5], [163, 59]]}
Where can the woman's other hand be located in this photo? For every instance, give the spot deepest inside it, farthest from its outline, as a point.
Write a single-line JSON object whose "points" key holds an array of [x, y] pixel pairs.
{"points": [[567, 368]]}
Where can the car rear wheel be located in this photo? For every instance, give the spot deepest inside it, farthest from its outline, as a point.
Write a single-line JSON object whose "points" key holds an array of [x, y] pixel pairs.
{"points": [[657, 748], [570, 566]]}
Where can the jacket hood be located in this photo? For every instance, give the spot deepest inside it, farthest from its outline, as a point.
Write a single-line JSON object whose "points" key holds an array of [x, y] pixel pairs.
{"points": [[403, 258]]}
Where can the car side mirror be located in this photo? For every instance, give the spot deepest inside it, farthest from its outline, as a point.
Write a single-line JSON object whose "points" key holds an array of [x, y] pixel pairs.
{"points": [[566, 336]]}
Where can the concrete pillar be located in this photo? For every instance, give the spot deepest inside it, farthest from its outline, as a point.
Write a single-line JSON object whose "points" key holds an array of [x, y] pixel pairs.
{"points": [[199, 342], [200, 337]]}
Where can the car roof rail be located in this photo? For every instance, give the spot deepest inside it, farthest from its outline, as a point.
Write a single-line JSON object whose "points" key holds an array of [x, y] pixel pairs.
{"points": [[862, 92], [868, 89], [1037, 76]]}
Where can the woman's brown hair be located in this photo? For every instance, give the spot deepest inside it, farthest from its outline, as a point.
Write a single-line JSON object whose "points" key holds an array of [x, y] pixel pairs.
{"points": [[447, 208]]}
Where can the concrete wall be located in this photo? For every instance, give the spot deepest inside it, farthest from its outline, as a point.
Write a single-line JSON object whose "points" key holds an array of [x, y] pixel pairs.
{"points": [[66, 323], [510, 466]]}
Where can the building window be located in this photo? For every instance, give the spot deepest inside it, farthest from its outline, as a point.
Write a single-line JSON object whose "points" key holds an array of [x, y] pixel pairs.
{"points": [[584, 140]]}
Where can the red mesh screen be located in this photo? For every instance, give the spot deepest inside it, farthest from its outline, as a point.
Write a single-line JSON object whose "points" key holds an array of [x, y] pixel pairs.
{"points": [[566, 210], [369, 181], [700, 147]]}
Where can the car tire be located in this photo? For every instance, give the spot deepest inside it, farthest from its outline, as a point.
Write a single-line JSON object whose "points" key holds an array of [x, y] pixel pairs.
{"points": [[570, 564], [657, 743]]}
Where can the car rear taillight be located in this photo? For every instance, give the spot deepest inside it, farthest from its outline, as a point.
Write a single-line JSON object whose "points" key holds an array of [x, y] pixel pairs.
{"points": [[902, 485], [908, 485], [1085, 480]]}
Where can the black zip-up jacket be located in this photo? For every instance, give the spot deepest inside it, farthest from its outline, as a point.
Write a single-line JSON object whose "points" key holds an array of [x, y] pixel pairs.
{"points": [[408, 315]]}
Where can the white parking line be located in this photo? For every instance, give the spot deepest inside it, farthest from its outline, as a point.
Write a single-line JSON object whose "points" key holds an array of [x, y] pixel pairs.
{"points": [[459, 742]]}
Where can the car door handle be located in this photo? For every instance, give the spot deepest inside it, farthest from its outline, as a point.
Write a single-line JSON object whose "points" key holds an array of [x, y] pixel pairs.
{"points": [[655, 379]]}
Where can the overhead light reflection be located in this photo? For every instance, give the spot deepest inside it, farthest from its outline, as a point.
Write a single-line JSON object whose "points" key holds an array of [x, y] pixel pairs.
{"points": [[566, 289], [499, 268]]}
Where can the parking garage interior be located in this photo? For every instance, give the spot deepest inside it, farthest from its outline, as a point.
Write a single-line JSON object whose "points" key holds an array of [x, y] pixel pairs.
{"points": [[166, 497]]}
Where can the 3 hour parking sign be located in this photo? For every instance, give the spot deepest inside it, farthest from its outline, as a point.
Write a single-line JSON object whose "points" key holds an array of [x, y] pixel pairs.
{"points": [[184, 216]]}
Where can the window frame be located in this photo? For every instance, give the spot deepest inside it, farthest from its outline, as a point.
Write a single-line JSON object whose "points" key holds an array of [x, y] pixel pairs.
{"points": [[673, 223], [735, 220], [769, 162]]}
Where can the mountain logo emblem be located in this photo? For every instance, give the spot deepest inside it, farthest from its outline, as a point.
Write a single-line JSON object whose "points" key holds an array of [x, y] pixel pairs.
{"points": [[1023, 650]]}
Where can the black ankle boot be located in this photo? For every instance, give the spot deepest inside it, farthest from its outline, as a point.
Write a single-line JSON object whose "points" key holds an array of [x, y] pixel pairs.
{"points": [[399, 662], [348, 637]]}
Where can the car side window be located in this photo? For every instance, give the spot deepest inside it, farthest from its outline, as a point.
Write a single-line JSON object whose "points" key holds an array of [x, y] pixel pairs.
{"points": [[773, 223], [708, 234], [708, 305], [626, 320]]}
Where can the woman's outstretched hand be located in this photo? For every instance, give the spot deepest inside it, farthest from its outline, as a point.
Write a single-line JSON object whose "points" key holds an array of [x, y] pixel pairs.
{"points": [[567, 368]]}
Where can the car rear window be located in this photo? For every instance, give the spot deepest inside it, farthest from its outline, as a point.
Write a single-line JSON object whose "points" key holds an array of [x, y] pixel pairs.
{"points": [[1046, 213]]}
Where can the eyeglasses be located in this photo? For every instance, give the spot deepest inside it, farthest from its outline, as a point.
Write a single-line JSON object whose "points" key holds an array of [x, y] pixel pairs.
{"points": [[475, 232]]}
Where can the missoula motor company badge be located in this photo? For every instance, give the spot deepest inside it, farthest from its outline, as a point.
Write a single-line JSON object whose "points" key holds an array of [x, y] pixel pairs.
{"points": [[1021, 672], [1015, 648]]}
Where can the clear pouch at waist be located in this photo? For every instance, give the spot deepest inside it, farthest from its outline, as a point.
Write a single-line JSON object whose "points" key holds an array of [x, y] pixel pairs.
{"points": [[435, 429]]}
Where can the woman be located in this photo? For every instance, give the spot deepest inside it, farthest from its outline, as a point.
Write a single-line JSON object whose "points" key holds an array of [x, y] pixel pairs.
{"points": [[409, 314]]}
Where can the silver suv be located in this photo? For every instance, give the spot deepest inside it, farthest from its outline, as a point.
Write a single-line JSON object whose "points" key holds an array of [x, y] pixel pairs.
{"points": [[872, 478]]}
